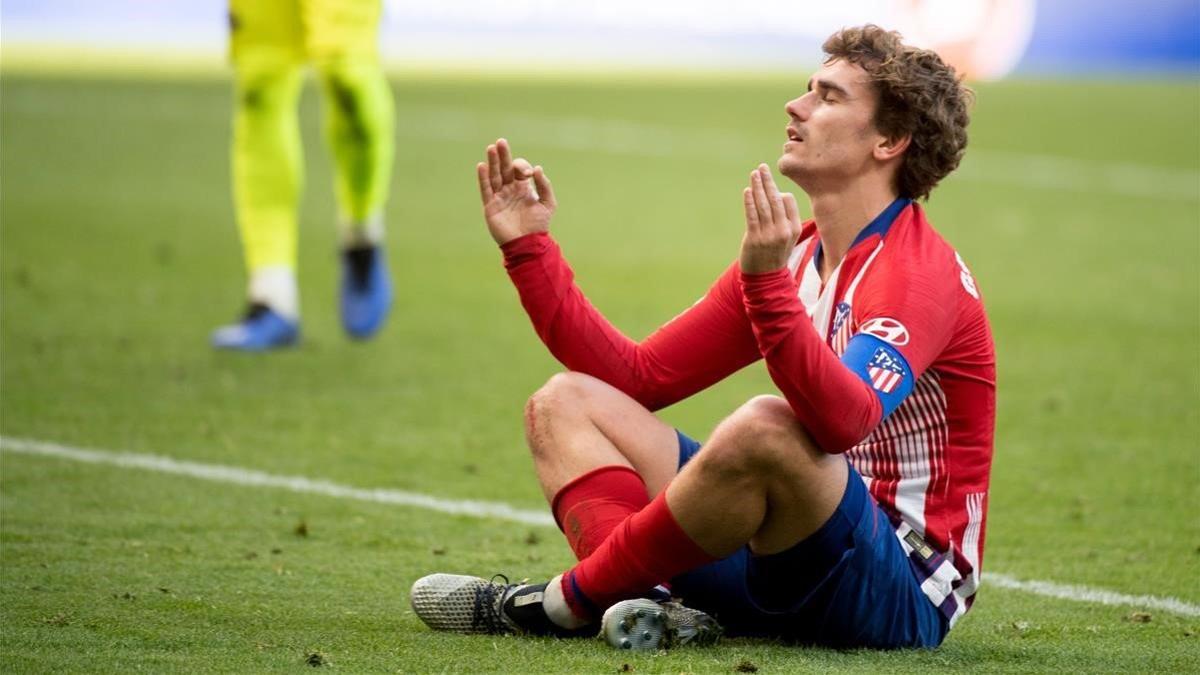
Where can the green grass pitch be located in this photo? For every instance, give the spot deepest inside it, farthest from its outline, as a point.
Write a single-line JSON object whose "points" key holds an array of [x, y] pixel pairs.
{"points": [[1078, 210]]}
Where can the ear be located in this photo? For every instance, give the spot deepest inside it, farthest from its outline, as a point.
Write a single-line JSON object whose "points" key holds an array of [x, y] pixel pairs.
{"points": [[890, 148]]}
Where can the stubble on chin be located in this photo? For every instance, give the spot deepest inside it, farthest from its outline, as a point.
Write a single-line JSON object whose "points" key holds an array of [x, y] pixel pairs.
{"points": [[791, 168]]}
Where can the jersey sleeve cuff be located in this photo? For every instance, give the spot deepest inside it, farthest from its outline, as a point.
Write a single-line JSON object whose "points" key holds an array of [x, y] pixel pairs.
{"points": [[759, 287], [526, 248]]}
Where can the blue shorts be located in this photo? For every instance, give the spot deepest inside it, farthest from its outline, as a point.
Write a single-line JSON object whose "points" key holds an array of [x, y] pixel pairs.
{"points": [[847, 585]]}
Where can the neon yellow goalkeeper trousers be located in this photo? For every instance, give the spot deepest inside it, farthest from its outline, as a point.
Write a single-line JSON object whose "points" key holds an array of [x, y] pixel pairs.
{"points": [[271, 41]]}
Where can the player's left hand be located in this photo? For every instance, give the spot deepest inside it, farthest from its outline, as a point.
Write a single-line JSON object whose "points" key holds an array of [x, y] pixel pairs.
{"points": [[772, 224]]}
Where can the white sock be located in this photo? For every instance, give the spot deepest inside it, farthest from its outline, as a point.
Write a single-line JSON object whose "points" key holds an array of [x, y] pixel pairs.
{"points": [[275, 287], [556, 607], [357, 234]]}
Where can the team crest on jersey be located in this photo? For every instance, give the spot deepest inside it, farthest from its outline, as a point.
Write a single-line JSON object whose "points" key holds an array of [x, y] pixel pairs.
{"points": [[890, 331], [843, 313], [886, 372]]}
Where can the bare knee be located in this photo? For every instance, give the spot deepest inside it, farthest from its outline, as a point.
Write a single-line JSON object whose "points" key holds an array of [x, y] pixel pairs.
{"points": [[769, 414], [563, 396], [762, 438], [766, 424], [562, 393]]}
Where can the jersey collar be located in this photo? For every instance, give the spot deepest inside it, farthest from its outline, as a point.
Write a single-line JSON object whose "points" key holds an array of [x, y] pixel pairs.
{"points": [[880, 226]]}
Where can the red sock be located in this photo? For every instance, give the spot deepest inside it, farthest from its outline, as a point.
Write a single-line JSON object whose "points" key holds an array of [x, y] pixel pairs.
{"points": [[590, 506], [646, 549]]}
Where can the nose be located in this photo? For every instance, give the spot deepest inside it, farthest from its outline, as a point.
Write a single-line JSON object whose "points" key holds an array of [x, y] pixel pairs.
{"points": [[799, 108]]}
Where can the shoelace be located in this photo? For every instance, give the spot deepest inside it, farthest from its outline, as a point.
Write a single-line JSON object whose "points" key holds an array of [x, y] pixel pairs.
{"points": [[488, 612]]}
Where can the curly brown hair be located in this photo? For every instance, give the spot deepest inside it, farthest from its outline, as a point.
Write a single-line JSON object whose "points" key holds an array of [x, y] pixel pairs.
{"points": [[919, 94]]}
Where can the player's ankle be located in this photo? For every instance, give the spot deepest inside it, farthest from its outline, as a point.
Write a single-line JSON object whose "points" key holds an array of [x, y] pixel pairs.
{"points": [[361, 233], [275, 286], [558, 610]]}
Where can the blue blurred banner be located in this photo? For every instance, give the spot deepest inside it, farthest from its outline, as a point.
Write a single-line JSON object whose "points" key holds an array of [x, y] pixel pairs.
{"points": [[1079, 36], [985, 38]]}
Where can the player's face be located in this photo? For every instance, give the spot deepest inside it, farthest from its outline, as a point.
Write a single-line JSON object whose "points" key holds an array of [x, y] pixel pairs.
{"points": [[831, 133]]}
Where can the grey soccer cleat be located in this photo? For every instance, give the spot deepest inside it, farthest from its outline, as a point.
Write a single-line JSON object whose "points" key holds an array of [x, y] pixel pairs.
{"points": [[464, 604], [645, 624], [460, 604]]}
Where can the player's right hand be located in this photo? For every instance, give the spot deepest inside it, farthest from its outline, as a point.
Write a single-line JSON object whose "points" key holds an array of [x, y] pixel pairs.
{"points": [[511, 205], [772, 224]]}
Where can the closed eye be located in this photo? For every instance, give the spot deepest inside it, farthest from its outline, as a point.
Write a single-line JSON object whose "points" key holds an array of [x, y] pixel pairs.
{"points": [[827, 91]]}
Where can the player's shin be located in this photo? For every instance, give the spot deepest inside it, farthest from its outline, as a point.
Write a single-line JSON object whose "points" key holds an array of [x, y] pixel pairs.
{"points": [[360, 130], [588, 508], [648, 548]]}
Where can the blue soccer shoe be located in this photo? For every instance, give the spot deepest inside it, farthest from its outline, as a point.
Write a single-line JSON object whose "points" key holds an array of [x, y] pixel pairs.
{"points": [[260, 330], [366, 291]]}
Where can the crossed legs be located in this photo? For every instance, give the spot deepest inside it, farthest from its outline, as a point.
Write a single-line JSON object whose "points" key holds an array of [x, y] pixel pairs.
{"points": [[801, 550], [760, 480]]}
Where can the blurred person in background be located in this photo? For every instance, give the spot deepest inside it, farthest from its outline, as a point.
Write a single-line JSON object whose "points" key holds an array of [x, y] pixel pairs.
{"points": [[271, 43]]}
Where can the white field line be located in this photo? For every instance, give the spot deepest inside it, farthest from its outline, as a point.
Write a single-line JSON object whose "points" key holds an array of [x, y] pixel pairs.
{"points": [[481, 509], [1093, 595], [239, 476]]}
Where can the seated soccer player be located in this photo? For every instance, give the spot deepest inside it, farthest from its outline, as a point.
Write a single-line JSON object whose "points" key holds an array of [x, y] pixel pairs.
{"points": [[271, 43], [849, 512]]}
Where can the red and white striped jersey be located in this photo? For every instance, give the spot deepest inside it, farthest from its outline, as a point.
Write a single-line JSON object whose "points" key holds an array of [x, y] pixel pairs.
{"points": [[929, 461], [890, 361]]}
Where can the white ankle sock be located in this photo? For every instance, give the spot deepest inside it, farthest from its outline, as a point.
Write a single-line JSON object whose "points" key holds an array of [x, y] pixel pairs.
{"points": [[556, 607], [357, 234], [275, 287]]}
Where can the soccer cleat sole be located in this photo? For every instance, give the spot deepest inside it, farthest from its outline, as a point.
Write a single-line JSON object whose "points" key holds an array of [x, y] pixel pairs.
{"points": [[643, 624]]}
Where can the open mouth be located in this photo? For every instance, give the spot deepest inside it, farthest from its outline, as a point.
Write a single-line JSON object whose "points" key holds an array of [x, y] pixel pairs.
{"points": [[794, 135]]}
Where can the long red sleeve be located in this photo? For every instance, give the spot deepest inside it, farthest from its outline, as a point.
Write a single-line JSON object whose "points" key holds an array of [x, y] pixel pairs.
{"points": [[836, 407], [701, 346]]}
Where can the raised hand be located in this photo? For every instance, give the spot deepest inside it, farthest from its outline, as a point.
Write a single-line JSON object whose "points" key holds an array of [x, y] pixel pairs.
{"points": [[772, 224], [511, 206]]}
